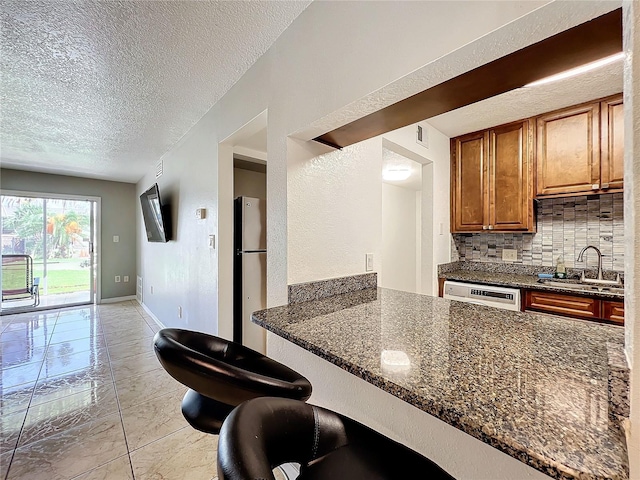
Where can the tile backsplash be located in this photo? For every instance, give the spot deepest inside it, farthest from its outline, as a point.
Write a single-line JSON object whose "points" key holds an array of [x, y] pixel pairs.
{"points": [[564, 227]]}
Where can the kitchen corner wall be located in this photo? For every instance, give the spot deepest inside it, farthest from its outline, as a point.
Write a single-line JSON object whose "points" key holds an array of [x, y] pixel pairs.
{"points": [[564, 227]]}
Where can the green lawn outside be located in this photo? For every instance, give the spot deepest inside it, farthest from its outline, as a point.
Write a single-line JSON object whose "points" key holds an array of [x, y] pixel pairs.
{"points": [[66, 281], [58, 281]]}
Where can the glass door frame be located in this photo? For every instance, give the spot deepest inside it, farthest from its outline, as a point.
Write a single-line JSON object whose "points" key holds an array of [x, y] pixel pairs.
{"points": [[95, 294]]}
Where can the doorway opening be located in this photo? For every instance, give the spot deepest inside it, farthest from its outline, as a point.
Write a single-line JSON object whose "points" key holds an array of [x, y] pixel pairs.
{"points": [[242, 265], [57, 235]]}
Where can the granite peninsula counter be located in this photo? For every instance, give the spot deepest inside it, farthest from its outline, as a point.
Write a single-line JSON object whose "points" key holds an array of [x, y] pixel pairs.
{"points": [[533, 386]]}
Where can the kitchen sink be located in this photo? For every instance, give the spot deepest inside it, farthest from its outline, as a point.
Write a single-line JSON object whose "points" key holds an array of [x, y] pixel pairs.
{"points": [[584, 287]]}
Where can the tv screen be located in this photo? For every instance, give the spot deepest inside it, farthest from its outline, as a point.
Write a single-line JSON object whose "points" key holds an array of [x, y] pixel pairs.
{"points": [[154, 215]]}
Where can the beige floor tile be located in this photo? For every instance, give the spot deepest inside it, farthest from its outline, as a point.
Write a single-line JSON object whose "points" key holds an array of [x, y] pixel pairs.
{"points": [[71, 411], [71, 452], [54, 388], [135, 365], [20, 374], [70, 335], [76, 346], [16, 398], [120, 321], [63, 363], [186, 450], [118, 469], [129, 349], [154, 326], [91, 325], [10, 426], [67, 316], [153, 419], [5, 459], [65, 385], [135, 390], [138, 331]]}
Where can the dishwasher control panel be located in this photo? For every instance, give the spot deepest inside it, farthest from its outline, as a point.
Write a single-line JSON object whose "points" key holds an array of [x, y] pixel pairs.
{"points": [[489, 295]]}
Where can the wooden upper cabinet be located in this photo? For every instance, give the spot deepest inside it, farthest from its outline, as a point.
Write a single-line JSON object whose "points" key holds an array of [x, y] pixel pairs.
{"points": [[511, 177], [612, 142], [469, 184], [568, 150], [579, 150], [491, 180]]}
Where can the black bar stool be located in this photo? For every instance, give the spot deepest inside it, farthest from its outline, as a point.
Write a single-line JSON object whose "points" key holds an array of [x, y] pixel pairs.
{"points": [[263, 433], [222, 374]]}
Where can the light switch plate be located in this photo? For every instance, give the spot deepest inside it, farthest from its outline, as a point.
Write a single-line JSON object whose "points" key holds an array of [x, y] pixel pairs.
{"points": [[369, 262], [509, 254]]}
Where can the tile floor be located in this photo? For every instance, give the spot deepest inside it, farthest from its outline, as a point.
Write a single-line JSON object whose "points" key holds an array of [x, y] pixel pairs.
{"points": [[47, 301], [82, 396]]}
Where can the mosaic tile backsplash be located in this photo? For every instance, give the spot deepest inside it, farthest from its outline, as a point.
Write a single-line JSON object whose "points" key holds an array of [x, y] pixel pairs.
{"points": [[564, 227]]}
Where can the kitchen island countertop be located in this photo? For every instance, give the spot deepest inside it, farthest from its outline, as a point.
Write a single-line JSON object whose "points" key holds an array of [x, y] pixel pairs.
{"points": [[533, 386]]}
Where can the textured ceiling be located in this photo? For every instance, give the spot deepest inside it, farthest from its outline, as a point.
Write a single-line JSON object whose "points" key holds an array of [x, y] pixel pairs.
{"points": [[104, 89]]}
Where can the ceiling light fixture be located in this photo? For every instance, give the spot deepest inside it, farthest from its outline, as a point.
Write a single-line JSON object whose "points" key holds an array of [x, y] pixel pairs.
{"points": [[578, 70], [396, 174]]}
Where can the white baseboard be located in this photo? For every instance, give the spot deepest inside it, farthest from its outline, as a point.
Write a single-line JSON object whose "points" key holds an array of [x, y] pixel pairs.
{"points": [[150, 313], [117, 299]]}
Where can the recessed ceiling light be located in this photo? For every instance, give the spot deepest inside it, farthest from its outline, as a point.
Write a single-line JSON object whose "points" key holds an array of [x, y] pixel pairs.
{"points": [[396, 174], [578, 70]]}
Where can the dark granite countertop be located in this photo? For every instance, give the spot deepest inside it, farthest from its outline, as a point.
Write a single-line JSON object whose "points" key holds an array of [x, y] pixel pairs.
{"points": [[533, 386], [515, 277]]}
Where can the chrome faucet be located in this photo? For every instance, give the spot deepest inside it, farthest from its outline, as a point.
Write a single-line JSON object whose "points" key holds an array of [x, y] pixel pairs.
{"points": [[580, 255]]}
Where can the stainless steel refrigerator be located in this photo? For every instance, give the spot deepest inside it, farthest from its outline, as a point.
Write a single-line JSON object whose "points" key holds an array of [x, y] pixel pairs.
{"points": [[249, 271]]}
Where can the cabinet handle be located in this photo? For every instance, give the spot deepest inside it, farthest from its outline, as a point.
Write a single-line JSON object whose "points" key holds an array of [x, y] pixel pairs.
{"points": [[605, 186], [595, 186], [490, 227], [484, 227]]}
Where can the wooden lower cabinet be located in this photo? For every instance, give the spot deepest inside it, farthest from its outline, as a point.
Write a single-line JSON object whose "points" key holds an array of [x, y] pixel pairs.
{"points": [[613, 311], [575, 306]]}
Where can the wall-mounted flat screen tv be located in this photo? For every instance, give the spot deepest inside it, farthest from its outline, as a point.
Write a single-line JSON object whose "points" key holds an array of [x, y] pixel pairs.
{"points": [[154, 215]]}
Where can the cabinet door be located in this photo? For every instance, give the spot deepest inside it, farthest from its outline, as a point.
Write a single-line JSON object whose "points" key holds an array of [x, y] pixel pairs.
{"points": [[568, 150], [510, 178], [560, 304], [612, 135], [613, 311], [469, 210]]}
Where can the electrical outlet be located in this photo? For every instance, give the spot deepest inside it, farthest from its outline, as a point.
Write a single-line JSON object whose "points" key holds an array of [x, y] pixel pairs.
{"points": [[125, 279], [117, 278], [509, 254]]}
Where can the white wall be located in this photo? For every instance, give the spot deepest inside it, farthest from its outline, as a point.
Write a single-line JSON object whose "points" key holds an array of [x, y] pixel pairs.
{"points": [[336, 217], [631, 13], [399, 246], [183, 272], [308, 78]]}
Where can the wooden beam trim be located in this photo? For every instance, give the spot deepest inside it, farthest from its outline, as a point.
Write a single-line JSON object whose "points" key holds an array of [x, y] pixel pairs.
{"points": [[577, 46]]}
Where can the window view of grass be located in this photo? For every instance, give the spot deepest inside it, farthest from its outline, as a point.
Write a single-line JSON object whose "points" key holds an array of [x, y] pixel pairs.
{"points": [[64, 277]]}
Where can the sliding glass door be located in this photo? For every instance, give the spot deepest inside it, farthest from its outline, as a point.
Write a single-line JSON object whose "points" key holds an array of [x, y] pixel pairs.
{"points": [[58, 234]]}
